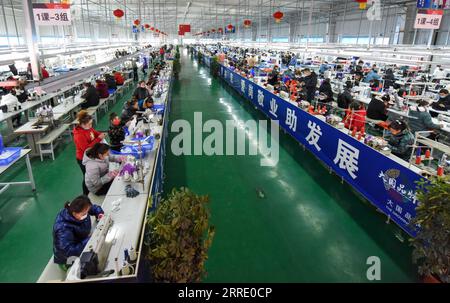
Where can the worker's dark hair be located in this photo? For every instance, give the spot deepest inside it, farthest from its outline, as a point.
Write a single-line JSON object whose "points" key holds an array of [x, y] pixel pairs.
{"points": [[306, 70], [97, 149], [355, 105], [386, 98], [83, 117], [348, 84], [422, 103], [112, 116], [87, 84], [131, 102], [142, 81], [444, 91], [398, 125], [148, 99], [78, 204]]}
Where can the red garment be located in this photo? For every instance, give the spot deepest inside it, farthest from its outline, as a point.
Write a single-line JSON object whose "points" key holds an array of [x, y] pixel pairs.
{"points": [[102, 89], [356, 119], [161, 51], [119, 78], [84, 139], [44, 72]]}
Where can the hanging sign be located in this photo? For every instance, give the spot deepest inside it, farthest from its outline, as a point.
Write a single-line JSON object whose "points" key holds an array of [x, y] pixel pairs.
{"points": [[52, 14], [428, 19]]}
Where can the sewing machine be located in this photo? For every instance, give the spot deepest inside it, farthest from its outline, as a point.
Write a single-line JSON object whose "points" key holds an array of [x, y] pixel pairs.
{"points": [[92, 261]]}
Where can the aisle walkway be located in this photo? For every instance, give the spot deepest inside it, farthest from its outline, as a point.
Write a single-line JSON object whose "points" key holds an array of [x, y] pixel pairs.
{"points": [[305, 227], [27, 219]]}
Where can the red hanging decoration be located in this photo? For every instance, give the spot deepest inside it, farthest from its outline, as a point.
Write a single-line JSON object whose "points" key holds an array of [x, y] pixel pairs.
{"points": [[137, 22], [247, 23], [220, 30], [118, 13], [278, 16], [230, 26], [152, 28], [362, 4], [147, 26], [213, 30]]}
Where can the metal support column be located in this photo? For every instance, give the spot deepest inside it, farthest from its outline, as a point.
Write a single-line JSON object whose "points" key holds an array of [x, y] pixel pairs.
{"points": [[32, 39]]}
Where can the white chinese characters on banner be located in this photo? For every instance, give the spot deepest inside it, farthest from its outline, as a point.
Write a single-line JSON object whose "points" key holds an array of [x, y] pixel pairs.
{"points": [[243, 86], [347, 158], [291, 119], [273, 107], [314, 135], [261, 98], [51, 14], [250, 91]]}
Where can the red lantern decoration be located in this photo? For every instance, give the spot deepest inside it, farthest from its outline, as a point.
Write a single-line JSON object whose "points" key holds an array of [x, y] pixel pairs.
{"points": [[147, 26], [152, 28], [247, 23], [137, 22], [118, 13], [362, 4], [220, 30], [230, 26], [278, 16], [213, 30]]}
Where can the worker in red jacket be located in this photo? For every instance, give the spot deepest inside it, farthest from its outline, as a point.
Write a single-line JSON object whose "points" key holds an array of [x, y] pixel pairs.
{"points": [[355, 117], [119, 78], [85, 137], [44, 72], [102, 89]]}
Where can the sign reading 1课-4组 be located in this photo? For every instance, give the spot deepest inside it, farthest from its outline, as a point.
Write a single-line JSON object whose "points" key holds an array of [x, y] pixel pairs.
{"points": [[51, 14], [428, 19]]}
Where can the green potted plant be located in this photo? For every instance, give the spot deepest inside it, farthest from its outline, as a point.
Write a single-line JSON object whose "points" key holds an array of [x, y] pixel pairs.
{"points": [[431, 247], [178, 237], [214, 69]]}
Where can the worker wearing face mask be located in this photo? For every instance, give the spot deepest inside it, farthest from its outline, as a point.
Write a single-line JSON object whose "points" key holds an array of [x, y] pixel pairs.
{"points": [[72, 229], [443, 104], [400, 139]]}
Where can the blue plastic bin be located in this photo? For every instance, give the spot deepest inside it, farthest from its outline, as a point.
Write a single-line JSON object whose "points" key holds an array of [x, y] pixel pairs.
{"points": [[129, 151], [14, 154]]}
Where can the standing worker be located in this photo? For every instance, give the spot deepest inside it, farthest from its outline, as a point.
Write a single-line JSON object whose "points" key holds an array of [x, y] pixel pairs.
{"points": [[135, 70], [85, 137]]}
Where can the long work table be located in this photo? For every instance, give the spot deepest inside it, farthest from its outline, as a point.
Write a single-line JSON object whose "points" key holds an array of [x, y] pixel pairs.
{"points": [[125, 216]]}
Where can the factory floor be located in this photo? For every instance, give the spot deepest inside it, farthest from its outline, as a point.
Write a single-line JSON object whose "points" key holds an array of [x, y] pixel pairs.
{"points": [[290, 223]]}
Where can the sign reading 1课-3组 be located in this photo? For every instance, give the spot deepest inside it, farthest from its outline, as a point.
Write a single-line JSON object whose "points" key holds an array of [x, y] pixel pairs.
{"points": [[388, 185], [51, 14]]}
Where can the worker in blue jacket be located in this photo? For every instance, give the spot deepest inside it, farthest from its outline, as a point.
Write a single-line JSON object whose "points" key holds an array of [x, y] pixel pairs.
{"points": [[372, 75], [72, 229]]}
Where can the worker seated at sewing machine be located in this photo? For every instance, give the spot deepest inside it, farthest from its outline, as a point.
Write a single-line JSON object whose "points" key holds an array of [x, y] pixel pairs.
{"points": [[129, 111], [420, 120], [377, 109], [400, 139], [116, 132], [72, 228], [98, 177], [443, 104], [147, 104]]}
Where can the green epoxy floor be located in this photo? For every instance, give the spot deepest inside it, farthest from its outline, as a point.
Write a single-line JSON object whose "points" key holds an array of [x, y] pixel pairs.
{"points": [[308, 228], [27, 218]]}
